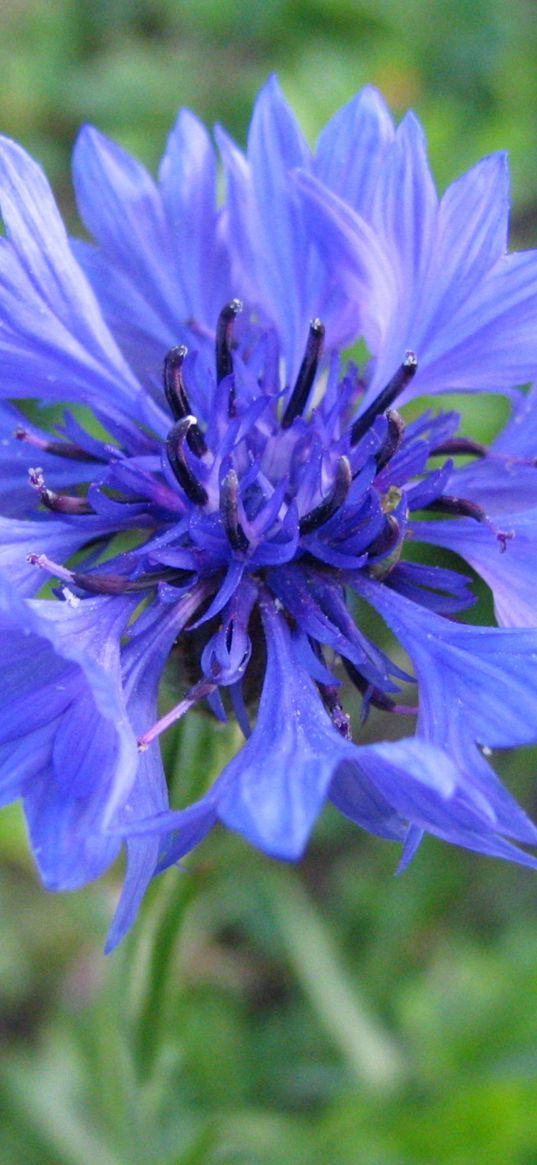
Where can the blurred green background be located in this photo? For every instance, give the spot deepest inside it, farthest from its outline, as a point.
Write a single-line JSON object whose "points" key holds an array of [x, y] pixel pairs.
{"points": [[262, 1015]]}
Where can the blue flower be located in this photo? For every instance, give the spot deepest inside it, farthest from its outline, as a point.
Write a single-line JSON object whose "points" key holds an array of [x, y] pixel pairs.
{"points": [[266, 491]]}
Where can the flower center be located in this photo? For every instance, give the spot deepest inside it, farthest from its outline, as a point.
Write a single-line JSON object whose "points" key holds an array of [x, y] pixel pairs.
{"points": [[275, 466], [251, 492]]}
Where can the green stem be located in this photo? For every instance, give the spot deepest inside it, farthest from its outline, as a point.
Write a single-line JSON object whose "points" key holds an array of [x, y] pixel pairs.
{"points": [[372, 1054]]}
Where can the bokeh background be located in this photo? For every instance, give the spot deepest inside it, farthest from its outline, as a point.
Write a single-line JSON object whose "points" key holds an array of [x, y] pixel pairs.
{"points": [[262, 1015]]}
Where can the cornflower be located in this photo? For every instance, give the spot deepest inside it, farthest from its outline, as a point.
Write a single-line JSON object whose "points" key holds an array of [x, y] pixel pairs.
{"points": [[267, 492]]}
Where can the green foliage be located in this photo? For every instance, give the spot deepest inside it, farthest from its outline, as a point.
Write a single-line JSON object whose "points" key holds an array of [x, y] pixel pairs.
{"points": [[261, 1015], [266, 1015], [467, 67]]}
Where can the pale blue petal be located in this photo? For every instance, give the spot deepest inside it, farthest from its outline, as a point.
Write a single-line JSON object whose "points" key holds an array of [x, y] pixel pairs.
{"points": [[75, 755], [352, 148], [475, 683], [121, 207], [55, 341], [274, 788], [509, 568], [188, 188], [142, 663]]}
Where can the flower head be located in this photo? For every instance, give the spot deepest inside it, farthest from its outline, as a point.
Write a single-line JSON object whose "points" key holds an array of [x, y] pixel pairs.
{"points": [[267, 491]]}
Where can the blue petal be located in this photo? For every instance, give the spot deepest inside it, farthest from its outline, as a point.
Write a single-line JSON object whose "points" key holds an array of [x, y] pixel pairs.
{"points": [[75, 755], [143, 662], [475, 683], [135, 322], [269, 234], [320, 611], [423, 785], [460, 247], [275, 148], [66, 835], [510, 569], [55, 340], [121, 207], [500, 486], [444, 591], [365, 271], [519, 437], [461, 321], [472, 237], [355, 795], [474, 351], [363, 789], [351, 172], [274, 788], [405, 206], [188, 188]]}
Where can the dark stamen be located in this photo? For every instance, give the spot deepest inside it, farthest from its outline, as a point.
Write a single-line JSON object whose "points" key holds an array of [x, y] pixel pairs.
{"points": [[306, 374], [176, 456], [116, 584], [393, 389], [374, 696], [388, 538], [461, 507], [59, 503], [177, 398], [58, 448], [101, 584], [333, 500], [455, 445], [63, 504], [340, 719], [173, 382], [393, 439], [229, 510], [224, 345]]}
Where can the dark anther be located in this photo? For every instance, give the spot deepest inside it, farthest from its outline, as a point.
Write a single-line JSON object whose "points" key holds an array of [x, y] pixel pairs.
{"points": [[116, 584], [447, 504], [58, 448], [306, 374], [173, 382], [333, 500], [462, 508], [340, 719], [177, 398], [393, 389], [455, 445], [388, 538], [393, 439], [59, 503], [224, 344], [101, 584], [176, 456], [63, 504], [374, 697], [229, 509]]}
